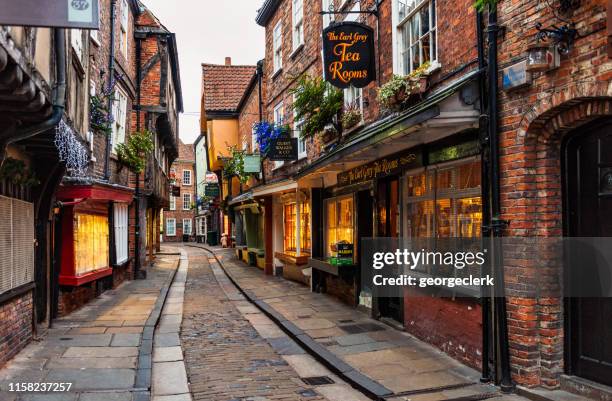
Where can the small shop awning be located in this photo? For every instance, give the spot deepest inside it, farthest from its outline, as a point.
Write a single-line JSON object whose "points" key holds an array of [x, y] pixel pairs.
{"points": [[245, 197], [95, 191], [426, 122], [274, 188]]}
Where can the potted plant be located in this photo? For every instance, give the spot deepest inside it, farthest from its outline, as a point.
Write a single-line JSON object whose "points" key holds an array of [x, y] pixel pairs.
{"points": [[395, 94], [317, 104], [134, 152], [351, 117]]}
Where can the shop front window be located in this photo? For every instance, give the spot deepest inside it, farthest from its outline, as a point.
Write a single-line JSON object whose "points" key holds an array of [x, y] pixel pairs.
{"points": [[445, 202], [91, 243], [291, 227], [339, 223]]}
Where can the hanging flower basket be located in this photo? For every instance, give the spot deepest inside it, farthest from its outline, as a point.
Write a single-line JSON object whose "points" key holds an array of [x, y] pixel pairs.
{"points": [[401, 90]]}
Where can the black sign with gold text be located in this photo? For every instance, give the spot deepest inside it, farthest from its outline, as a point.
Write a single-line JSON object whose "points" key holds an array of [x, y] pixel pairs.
{"points": [[283, 149], [348, 51], [382, 168]]}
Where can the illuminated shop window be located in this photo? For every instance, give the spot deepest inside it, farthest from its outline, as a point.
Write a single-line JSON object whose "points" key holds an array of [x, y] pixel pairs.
{"points": [[339, 223], [90, 242], [291, 229]]}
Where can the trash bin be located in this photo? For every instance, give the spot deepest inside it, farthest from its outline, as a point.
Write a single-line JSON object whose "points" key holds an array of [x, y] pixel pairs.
{"points": [[212, 238], [252, 258], [185, 238]]}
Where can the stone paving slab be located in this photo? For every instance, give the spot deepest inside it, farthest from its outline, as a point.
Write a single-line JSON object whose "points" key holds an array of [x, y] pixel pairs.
{"points": [[372, 354], [96, 348]]}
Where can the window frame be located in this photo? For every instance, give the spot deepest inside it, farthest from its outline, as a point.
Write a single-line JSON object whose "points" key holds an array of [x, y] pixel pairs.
{"points": [[277, 46], [125, 22], [172, 203], [119, 125], [121, 228], [189, 182], [190, 227], [336, 200], [298, 126], [279, 116], [168, 232], [297, 19], [187, 205], [405, 23]]}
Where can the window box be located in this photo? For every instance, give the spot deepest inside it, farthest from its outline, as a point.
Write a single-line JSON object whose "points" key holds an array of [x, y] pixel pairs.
{"points": [[292, 258]]}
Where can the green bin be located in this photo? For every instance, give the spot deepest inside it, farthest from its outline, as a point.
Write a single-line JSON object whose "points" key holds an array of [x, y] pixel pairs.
{"points": [[213, 238]]}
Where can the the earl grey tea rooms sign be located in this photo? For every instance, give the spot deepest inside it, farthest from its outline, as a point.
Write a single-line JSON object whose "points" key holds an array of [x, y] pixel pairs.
{"points": [[348, 52], [81, 14]]}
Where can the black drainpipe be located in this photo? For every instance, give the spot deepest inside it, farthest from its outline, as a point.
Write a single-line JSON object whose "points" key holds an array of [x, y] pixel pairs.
{"points": [[497, 224], [138, 126], [260, 66], [486, 199], [111, 73]]}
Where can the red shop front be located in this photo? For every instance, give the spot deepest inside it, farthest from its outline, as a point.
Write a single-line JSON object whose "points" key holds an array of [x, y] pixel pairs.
{"points": [[94, 232]]}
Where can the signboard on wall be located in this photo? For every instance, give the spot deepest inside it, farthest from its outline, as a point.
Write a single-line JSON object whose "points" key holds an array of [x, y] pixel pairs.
{"points": [[176, 191], [283, 149], [382, 168], [349, 55], [252, 164], [81, 14]]}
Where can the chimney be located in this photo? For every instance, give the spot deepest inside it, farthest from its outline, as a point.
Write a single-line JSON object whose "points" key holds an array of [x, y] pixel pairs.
{"points": [[228, 61]]}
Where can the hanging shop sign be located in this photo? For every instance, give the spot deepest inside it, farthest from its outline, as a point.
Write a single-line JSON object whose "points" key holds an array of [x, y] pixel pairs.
{"points": [[252, 164], [81, 14], [176, 191], [381, 168], [349, 55], [283, 149], [212, 190], [211, 178]]}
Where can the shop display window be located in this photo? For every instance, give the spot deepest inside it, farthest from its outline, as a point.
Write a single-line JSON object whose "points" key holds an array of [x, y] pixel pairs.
{"points": [[90, 242], [339, 223], [291, 229], [445, 202]]}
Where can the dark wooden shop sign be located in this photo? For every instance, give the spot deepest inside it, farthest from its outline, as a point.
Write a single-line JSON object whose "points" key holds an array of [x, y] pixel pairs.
{"points": [[381, 168], [283, 149]]}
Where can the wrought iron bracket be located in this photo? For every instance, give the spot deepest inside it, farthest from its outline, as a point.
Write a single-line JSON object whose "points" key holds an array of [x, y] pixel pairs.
{"points": [[374, 11], [563, 37]]}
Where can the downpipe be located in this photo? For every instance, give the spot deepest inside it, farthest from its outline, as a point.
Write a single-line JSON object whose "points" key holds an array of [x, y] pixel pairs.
{"points": [[485, 297], [111, 73], [497, 225]]}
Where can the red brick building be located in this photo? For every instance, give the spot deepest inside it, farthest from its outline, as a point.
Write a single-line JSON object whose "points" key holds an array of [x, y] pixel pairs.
{"points": [[179, 217], [560, 117]]}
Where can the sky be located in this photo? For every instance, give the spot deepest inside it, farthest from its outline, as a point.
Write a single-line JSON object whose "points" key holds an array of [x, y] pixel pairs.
{"points": [[207, 31]]}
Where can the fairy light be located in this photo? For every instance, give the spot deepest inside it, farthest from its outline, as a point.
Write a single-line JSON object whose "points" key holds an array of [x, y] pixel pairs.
{"points": [[71, 151]]}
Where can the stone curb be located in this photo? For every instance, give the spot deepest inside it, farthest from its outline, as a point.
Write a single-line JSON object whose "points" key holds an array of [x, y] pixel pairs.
{"points": [[358, 380], [142, 386]]}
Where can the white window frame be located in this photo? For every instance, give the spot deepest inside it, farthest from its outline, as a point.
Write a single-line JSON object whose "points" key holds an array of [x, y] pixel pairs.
{"points": [[254, 144], [121, 226], [187, 174], [76, 41], [125, 19], [277, 44], [172, 202], [298, 127], [190, 227], [405, 13], [120, 118], [327, 18], [297, 10], [187, 205], [171, 233], [279, 116]]}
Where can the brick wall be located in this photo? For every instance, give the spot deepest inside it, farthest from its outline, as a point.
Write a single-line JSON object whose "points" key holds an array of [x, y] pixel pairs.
{"points": [[16, 328], [533, 123], [186, 161]]}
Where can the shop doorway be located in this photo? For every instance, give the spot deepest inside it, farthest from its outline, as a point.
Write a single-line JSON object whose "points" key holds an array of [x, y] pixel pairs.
{"points": [[588, 213], [387, 222], [365, 229]]}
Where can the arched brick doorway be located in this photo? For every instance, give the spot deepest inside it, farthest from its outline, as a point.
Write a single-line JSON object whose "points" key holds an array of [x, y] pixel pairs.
{"points": [[533, 201]]}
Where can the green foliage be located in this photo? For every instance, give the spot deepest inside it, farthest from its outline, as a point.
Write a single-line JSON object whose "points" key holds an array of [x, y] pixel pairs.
{"points": [[133, 154], [317, 104], [351, 117], [16, 172], [481, 4], [398, 90], [234, 165]]}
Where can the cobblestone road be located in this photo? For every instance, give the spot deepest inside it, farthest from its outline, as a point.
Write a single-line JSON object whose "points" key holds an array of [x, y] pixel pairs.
{"points": [[226, 358]]}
